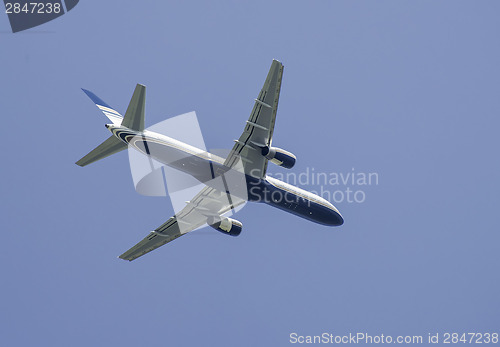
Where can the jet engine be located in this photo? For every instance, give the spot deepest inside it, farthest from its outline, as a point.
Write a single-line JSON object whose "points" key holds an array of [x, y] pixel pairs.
{"points": [[225, 225], [279, 157]]}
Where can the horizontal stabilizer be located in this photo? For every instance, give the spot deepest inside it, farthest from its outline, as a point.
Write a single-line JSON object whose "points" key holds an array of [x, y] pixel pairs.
{"points": [[134, 117], [111, 146], [113, 115]]}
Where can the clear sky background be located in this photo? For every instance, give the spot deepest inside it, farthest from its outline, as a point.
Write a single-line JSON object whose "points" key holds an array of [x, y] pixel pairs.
{"points": [[406, 89]]}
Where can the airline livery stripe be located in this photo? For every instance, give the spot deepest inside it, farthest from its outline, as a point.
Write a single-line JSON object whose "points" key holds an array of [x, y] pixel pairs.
{"points": [[302, 195], [125, 137], [112, 115], [104, 108]]}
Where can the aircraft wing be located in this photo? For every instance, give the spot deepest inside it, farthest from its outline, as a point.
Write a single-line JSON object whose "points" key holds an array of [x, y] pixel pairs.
{"points": [[259, 128], [209, 201]]}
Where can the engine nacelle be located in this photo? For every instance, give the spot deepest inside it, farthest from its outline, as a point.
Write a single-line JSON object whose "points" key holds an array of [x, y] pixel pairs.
{"points": [[279, 157], [225, 225]]}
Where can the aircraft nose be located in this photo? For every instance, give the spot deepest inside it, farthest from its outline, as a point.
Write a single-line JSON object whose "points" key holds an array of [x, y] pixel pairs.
{"points": [[334, 217], [337, 219]]}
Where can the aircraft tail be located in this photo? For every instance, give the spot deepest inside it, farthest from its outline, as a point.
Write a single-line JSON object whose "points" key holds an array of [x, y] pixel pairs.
{"points": [[113, 115], [134, 120], [111, 146], [134, 117]]}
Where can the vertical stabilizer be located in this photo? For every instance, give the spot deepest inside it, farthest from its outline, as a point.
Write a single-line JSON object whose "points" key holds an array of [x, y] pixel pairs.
{"points": [[112, 114]]}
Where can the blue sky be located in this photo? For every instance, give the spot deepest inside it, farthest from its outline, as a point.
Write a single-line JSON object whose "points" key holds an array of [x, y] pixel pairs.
{"points": [[406, 89]]}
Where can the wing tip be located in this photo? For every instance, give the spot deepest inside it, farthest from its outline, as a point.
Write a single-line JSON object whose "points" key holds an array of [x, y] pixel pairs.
{"points": [[277, 61], [124, 258]]}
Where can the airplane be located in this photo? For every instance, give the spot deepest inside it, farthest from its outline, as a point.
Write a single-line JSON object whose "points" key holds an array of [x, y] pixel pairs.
{"points": [[253, 150]]}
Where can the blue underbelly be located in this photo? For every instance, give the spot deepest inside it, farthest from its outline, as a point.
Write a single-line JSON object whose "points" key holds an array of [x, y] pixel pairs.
{"points": [[263, 191]]}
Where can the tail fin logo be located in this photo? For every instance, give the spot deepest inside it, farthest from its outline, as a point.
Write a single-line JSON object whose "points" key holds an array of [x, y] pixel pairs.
{"points": [[26, 14]]}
